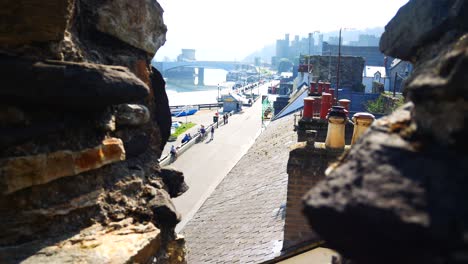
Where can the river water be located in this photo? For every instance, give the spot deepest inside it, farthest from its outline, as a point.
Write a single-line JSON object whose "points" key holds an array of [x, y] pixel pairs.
{"points": [[185, 93]]}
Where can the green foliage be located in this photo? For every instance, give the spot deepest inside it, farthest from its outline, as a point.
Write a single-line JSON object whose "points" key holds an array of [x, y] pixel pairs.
{"points": [[399, 102], [384, 104], [284, 65], [376, 106], [184, 127], [358, 87]]}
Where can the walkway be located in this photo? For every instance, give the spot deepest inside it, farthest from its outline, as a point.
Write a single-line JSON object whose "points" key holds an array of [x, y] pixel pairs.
{"points": [[202, 117], [206, 164]]}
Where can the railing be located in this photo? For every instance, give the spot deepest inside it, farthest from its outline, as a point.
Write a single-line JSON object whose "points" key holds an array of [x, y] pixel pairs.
{"points": [[199, 106], [186, 145]]}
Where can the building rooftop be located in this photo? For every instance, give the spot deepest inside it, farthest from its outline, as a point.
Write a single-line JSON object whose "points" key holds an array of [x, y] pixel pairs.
{"points": [[370, 71], [243, 220], [395, 63]]}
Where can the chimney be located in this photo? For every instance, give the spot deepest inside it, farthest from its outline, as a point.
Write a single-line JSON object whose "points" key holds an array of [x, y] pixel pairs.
{"points": [[362, 121], [320, 87], [310, 138], [308, 107], [336, 128], [345, 103], [312, 88], [326, 104], [306, 166]]}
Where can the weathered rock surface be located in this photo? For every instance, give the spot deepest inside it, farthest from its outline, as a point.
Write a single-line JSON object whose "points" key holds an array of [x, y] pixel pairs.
{"points": [[65, 69], [424, 22], [103, 197], [132, 114], [391, 201], [23, 21], [175, 182], [164, 213], [398, 196], [138, 23], [440, 94], [163, 114], [21, 172], [117, 243], [68, 85]]}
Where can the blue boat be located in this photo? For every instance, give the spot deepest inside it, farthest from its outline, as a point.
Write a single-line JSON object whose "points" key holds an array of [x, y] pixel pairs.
{"points": [[184, 112]]}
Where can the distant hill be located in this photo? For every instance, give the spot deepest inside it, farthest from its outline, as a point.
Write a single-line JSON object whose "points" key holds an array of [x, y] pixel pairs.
{"points": [[352, 35], [347, 35], [266, 53]]}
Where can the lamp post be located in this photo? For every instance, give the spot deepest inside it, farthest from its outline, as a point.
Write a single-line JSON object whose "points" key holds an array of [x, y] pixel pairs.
{"points": [[308, 58], [329, 66], [338, 67], [218, 99]]}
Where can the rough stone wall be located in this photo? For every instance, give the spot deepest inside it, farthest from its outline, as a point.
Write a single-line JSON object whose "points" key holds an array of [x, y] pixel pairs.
{"points": [[351, 69], [399, 194], [83, 121]]}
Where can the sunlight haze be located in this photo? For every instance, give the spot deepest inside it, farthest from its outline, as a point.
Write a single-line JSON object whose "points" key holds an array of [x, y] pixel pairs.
{"points": [[231, 30]]}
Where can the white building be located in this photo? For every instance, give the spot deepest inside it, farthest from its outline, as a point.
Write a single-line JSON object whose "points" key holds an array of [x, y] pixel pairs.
{"points": [[375, 74]]}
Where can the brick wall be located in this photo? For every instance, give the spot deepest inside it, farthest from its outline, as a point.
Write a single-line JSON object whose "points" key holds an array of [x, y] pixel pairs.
{"points": [[351, 69], [306, 167]]}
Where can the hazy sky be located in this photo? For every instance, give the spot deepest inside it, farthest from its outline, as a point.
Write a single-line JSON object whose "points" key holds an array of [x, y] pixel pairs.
{"points": [[231, 30]]}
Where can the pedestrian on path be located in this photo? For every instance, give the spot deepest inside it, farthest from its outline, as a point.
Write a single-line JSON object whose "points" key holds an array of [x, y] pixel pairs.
{"points": [[212, 132]]}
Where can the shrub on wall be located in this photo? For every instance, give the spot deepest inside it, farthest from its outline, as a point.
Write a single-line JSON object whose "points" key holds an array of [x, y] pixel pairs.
{"points": [[384, 104]]}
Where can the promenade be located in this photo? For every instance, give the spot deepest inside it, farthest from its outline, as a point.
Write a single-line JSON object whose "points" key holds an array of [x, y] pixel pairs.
{"points": [[202, 117], [205, 164]]}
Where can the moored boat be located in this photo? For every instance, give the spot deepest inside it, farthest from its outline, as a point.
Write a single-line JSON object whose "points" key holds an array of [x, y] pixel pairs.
{"points": [[189, 110]]}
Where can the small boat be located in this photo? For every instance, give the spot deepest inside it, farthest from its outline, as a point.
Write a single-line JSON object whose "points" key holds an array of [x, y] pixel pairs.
{"points": [[184, 111]]}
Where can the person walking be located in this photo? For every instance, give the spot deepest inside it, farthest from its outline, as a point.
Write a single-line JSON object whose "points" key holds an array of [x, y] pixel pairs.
{"points": [[212, 132], [173, 153]]}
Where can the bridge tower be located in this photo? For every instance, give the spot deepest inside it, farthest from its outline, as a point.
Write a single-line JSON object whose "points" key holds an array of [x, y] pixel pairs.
{"points": [[201, 76]]}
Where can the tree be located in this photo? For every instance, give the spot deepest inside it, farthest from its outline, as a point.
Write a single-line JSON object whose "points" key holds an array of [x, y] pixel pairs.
{"points": [[285, 65]]}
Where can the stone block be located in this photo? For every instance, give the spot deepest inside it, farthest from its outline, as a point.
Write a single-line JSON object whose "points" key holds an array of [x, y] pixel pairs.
{"points": [[68, 85], [419, 22], [111, 150], [29, 21], [21, 172], [132, 115], [138, 23], [119, 243], [59, 164]]}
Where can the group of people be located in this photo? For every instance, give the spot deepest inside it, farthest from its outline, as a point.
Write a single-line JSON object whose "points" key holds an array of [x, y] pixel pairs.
{"points": [[202, 131]]}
